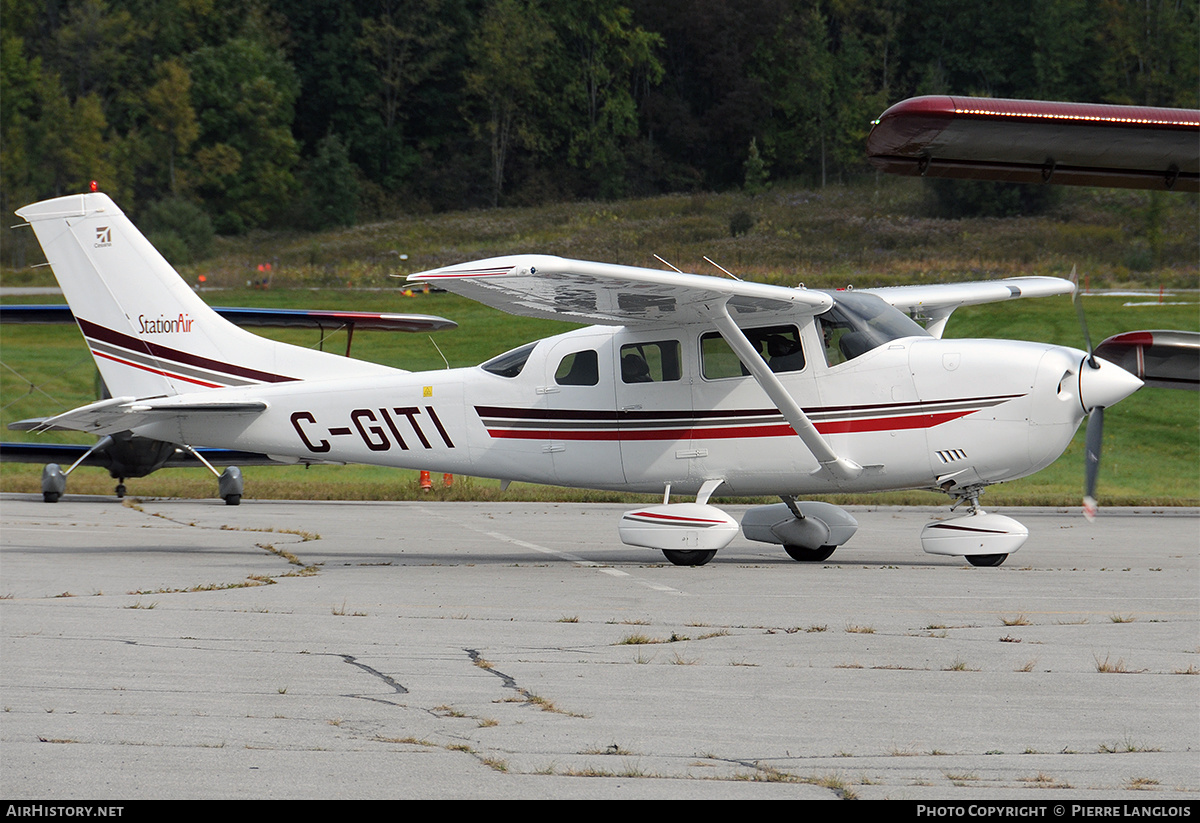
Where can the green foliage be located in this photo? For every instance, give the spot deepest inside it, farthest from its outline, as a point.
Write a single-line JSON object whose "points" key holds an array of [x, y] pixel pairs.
{"points": [[330, 195], [740, 222], [244, 90], [181, 231], [228, 103], [756, 170], [505, 83], [953, 199]]}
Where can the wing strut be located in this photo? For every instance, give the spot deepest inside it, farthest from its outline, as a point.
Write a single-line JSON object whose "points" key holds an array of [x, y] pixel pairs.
{"points": [[840, 467]]}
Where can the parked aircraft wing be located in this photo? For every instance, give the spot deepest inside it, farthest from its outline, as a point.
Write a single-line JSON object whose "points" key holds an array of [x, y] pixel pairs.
{"points": [[263, 318], [66, 455], [1166, 359], [1037, 141], [935, 302], [576, 290]]}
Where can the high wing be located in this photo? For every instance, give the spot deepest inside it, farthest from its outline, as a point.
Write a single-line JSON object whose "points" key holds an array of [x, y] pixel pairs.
{"points": [[563, 289], [935, 303], [536, 285], [1038, 141]]}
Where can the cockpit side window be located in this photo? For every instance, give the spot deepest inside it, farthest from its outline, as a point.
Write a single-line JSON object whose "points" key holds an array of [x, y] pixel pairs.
{"points": [[858, 323], [779, 346], [511, 362], [581, 368], [655, 362]]}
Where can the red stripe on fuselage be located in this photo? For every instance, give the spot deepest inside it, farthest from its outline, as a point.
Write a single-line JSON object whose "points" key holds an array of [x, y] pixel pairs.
{"points": [[171, 375], [904, 422]]}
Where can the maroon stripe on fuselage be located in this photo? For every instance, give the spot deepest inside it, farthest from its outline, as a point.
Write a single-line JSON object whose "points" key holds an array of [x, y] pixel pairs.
{"points": [[161, 352]]}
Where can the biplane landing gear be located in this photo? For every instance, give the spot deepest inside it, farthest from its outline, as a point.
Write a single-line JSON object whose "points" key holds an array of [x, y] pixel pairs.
{"points": [[120, 490], [230, 486], [688, 558], [54, 483], [229, 482]]}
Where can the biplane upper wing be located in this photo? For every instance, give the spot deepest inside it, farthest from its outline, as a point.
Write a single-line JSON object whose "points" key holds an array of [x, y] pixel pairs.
{"points": [[1166, 359], [1039, 141], [537, 285]]}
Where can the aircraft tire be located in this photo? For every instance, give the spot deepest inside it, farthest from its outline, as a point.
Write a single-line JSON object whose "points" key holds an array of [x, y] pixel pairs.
{"points": [[984, 560], [689, 558], [50, 497], [809, 555], [233, 499]]}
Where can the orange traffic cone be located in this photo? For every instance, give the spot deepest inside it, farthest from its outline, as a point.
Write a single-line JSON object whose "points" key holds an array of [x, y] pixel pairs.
{"points": [[426, 483], [447, 480]]}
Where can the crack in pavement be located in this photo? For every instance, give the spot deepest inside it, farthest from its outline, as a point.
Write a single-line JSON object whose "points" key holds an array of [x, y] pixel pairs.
{"points": [[349, 658], [509, 682]]}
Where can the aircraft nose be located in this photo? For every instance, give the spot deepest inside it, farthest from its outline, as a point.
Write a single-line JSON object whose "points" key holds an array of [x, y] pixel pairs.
{"points": [[1104, 384]]}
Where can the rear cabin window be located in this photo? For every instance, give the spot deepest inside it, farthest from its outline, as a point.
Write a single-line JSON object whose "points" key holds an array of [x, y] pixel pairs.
{"points": [[779, 347], [581, 368], [656, 362]]}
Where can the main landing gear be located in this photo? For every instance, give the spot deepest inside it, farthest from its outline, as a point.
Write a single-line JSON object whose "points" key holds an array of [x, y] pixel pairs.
{"points": [[805, 555], [809, 531]]}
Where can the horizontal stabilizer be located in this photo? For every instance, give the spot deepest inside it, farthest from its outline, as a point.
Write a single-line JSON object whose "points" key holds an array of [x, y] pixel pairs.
{"points": [[125, 413]]}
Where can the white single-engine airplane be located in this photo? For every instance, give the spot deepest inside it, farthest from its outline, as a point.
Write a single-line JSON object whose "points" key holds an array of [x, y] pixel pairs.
{"points": [[688, 384]]}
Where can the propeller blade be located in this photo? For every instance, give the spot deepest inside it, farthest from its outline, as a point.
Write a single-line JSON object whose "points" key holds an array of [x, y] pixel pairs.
{"points": [[1076, 299], [1091, 463]]}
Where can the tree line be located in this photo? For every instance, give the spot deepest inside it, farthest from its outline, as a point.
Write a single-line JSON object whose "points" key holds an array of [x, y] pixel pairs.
{"points": [[231, 115]]}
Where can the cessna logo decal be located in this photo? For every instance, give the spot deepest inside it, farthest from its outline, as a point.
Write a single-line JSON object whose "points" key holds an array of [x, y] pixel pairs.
{"points": [[164, 325], [103, 237], [379, 429]]}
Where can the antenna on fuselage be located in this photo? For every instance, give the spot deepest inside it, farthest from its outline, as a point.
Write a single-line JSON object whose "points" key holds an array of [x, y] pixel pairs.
{"points": [[439, 351], [665, 263], [722, 268]]}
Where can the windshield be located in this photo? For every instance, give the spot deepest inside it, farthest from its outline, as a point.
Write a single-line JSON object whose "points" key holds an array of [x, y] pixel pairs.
{"points": [[858, 323], [510, 363]]}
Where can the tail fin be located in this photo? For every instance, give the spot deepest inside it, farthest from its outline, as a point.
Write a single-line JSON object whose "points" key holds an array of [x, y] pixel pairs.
{"points": [[150, 334]]}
